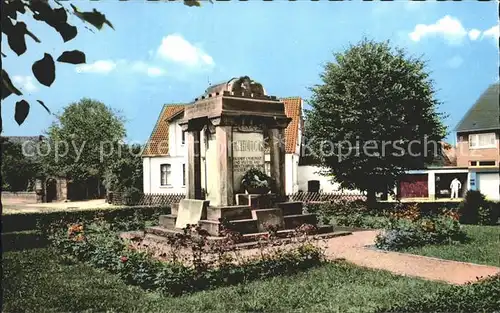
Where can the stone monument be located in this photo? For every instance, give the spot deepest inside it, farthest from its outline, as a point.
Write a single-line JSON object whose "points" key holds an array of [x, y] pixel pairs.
{"points": [[237, 118]]}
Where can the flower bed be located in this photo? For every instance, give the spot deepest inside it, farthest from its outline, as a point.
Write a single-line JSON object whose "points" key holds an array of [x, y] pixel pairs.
{"points": [[411, 229], [97, 244]]}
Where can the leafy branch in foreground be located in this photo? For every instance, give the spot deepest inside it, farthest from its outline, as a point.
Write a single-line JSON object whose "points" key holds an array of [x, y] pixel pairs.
{"points": [[56, 16]]}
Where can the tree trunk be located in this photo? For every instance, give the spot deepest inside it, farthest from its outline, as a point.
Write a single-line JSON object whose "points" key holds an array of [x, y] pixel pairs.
{"points": [[371, 199], [98, 189]]}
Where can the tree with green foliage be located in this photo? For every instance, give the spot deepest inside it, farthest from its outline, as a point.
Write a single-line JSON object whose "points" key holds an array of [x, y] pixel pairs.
{"points": [[13, 15], [18, 170], [124, 175], [83, 142], [373, 117]]}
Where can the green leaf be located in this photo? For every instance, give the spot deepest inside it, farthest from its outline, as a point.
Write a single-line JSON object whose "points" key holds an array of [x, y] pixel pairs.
{"points": [[192, 3], [73, 57], [22, 110], [15, 38], [56, 18], [96, 18], [44, 106], [7, 87], [45, 70]]}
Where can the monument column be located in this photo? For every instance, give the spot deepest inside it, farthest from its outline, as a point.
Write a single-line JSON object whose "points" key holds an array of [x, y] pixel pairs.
{"points": [[224, 139], [194, 162], [277, 156]]}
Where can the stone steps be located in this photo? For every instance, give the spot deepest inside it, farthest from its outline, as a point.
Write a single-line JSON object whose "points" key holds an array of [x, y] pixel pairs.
{"points": [[324, 231], [257, 224], [252, 215]]}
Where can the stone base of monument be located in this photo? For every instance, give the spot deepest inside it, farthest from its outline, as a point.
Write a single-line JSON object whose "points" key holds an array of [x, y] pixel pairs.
{"points": [[252, 218]]}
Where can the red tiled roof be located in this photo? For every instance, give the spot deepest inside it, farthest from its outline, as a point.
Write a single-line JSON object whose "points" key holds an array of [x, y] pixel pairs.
{"points": [[449, 154], [157, 144], [293, 109]]}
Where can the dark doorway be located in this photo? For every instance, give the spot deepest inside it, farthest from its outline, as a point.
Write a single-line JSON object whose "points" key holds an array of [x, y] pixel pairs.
{"points": [[51, 187], [443, 181]]}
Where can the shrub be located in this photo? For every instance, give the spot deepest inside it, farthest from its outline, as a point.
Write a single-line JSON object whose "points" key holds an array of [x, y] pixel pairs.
{"points": [[44, 220], [475, 209], [481, 296], [131, 195], [97, 244], [405, 233]]}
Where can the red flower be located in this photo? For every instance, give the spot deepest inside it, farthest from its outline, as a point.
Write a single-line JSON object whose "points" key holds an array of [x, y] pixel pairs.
{"points": [[123, 259]]}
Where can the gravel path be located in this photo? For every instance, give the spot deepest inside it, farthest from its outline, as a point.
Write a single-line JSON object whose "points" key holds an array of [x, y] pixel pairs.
{"points": [[353, 249]]}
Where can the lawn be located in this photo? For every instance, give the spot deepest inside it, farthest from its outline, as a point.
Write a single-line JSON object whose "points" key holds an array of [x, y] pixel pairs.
{"points": [[39, 280], [482, 248]]}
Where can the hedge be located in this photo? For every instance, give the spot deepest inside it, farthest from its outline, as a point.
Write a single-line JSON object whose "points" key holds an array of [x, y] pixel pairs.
{"points": [[42, 220]]}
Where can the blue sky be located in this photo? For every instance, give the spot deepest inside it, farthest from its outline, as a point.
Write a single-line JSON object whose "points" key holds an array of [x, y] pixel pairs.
{"points": [[167, 52]]}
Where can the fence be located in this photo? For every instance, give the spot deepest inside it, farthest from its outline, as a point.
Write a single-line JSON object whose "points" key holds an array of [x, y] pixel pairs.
{"points": [[311, 197], [149, 199], [325, 196]]}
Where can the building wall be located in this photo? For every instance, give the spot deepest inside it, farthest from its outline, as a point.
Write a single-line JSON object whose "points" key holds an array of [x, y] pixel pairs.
{"points": [[465, 154], [19, 197], [291, 175], [311, 172], [152, 175]]}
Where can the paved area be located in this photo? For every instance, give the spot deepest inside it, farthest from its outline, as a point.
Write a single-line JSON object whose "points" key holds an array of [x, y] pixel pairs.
{"points": [[13, 208], [353, 249], [357, 249]]}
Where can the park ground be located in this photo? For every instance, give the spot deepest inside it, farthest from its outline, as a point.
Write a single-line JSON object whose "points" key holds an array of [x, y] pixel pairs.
{"points": [[39, 278]]}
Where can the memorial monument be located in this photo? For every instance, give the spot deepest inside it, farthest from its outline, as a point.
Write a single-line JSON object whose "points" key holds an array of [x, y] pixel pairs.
{"points": [[238, 120]]}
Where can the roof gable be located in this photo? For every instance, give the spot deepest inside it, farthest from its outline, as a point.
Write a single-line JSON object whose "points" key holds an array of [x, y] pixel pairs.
{"points": [[157, 144], [484, 113], [293, 110]]}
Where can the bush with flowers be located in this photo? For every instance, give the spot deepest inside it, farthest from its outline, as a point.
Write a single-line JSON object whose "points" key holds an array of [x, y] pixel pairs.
{"points": [[193, 264], [410, 229]]}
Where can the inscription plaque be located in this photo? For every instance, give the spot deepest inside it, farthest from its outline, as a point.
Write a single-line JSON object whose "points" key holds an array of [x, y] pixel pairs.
{"points": [[248, 152]]}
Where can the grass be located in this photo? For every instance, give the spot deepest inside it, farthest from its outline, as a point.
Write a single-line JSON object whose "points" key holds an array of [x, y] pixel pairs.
{"points": [[482, 248], [39, 280]]}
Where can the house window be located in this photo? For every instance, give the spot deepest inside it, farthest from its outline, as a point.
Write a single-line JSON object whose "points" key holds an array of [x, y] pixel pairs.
{"points": [[183, 137], [183, 174], [473, 163], [481, 141], [487, 163], [165, 174]]}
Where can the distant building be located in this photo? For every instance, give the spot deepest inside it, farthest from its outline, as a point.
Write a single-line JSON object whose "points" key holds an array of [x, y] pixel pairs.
{"points": [[474, 161]]}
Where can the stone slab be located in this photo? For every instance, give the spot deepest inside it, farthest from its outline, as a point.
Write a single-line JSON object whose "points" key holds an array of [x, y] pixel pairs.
{"points": [[267, 217], [191, 211], [229, 212], [256, 201]]}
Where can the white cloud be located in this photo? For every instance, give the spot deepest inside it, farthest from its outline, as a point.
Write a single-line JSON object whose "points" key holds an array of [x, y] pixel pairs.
{"points": [[99, 67], [177, 49], [448, 27], [155, 71], [107, 66], [474, 34], [455, 62], [25, 83], [492, 33], [143, 67]]}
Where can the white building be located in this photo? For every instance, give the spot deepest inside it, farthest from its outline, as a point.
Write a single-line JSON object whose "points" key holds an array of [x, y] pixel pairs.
{"points": [[165, 155]]}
